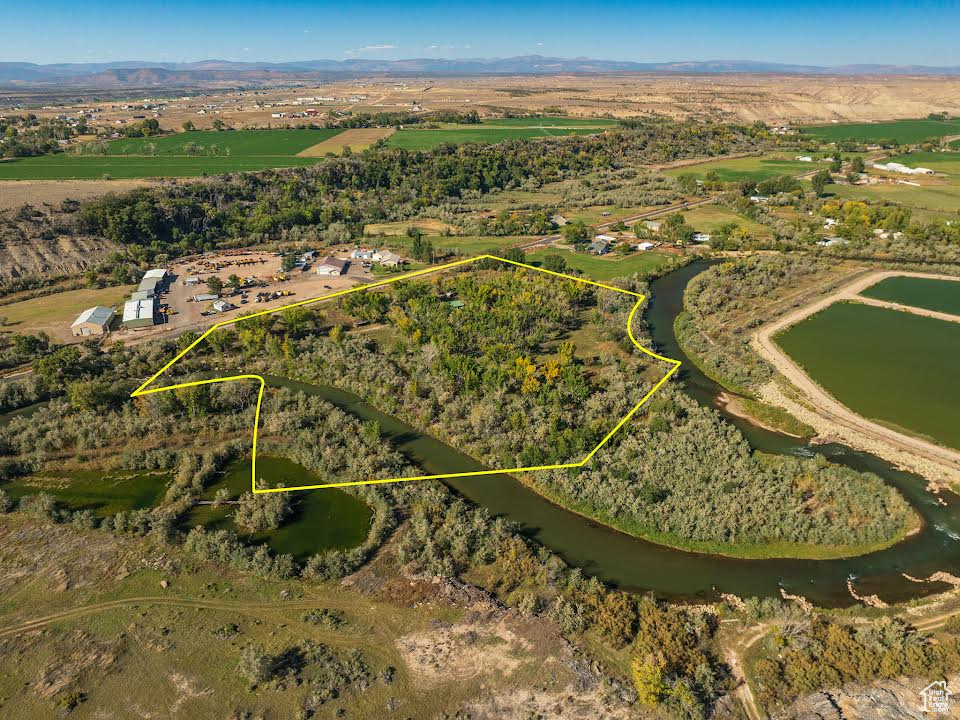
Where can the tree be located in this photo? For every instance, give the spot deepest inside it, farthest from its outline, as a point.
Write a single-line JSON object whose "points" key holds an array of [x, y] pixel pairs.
{"points": [[255, 665], [233, 281], [675, 229], [555, 263], [514, 255], [820, 182], [288, 261], [856, 165], [188, 126], [837, 164], [576, 232], [218, 124], [214, 284]]}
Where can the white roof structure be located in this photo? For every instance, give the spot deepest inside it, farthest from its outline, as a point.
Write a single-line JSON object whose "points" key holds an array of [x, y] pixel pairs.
{"points": [[158, 273], [99, 314], [137, 310]]}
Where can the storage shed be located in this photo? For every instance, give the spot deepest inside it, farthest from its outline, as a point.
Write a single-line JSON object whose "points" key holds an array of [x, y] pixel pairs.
{"points": [[93, 321]]}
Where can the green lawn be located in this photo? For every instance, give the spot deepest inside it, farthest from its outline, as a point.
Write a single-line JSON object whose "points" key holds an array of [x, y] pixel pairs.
{"points": [[605, 268], [904, 131], [420, 139], [749, 168], [213, 153]]}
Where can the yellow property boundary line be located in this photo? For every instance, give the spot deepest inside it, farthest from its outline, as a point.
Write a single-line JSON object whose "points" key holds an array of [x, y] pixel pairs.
{"points": [[145, 388]]}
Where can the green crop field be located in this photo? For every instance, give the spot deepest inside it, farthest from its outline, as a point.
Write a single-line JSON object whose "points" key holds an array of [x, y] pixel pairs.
{"points": [[605, 268], [552, 122], [181, 155], [749, 168], [420, 139], [904, 131]]}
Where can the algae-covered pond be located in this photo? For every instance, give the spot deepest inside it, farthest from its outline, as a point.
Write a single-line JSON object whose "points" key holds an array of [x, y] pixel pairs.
{"points": [[106, 492], [322, 519], [929, 293], [893, 367]]}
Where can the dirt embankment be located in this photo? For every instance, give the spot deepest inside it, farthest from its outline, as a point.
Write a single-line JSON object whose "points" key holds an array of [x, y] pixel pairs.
{"points": [[833, 420], [43, 242]]}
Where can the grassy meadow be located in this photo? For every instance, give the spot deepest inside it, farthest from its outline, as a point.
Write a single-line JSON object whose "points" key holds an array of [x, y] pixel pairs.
{"points": [[605, 268], [903, 131], [30, 316], [203, 152], [707, 218], [892, 367], [748, 168]]}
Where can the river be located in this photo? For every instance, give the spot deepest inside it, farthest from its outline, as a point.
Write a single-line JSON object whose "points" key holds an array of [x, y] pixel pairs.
{"points": [[637, 565]]}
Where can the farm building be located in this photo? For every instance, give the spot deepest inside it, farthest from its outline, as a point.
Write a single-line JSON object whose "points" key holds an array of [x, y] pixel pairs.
{"points": [[903, 169], [205, 297], [332, 266], [653, 225], [361, 254], [93, 321], [139, 313], [192, 280], [646, 246], [701, 237], [222, 306], [142, 294]]}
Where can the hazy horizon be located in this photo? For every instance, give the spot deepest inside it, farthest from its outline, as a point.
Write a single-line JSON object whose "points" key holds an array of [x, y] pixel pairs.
{"points": [[886, 32]]}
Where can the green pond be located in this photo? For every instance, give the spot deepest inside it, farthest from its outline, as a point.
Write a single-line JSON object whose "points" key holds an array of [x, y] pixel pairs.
{"points": [[940, 295], [893, 367], [322, 519], [103, 491]]}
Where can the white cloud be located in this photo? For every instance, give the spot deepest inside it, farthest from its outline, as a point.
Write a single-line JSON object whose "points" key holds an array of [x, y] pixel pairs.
{"points": [[539, 44], [441, 47], [370, 48]]}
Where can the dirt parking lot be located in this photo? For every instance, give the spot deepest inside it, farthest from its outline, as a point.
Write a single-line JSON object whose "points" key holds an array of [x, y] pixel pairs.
{"points": [[261, 270]]}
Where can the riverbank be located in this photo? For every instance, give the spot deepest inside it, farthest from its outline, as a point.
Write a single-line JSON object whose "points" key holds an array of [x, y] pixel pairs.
{"points": [[739, 551]]}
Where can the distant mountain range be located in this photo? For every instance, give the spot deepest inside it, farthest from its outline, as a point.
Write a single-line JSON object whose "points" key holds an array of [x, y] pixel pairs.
{"points": [[133, 73]]}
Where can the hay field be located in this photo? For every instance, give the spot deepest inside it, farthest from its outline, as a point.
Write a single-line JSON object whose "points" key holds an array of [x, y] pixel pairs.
{"points": [[356, 139]]}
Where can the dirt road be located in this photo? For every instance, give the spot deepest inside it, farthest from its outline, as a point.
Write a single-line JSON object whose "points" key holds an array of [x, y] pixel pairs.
{"points": [[826, 405]]}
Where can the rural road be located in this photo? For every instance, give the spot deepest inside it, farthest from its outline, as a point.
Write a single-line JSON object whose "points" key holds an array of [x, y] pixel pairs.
{"points": [[254, 608], [824, 404]]}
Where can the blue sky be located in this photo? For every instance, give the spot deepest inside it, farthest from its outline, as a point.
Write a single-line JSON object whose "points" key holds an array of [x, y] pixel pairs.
{"points": [[814, 32]]}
